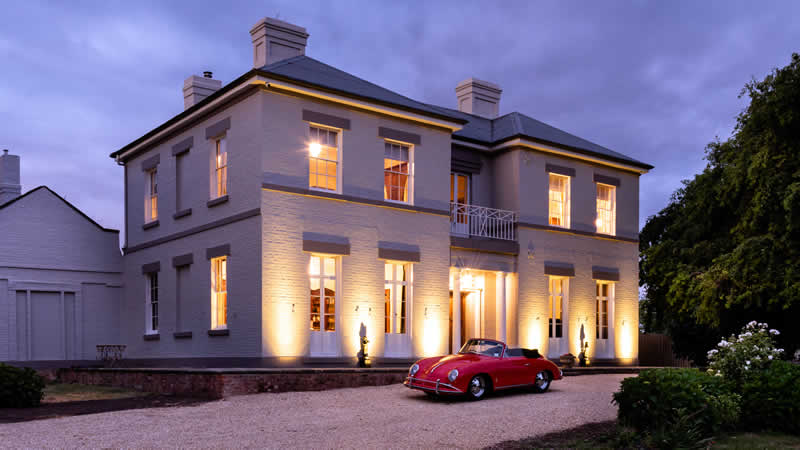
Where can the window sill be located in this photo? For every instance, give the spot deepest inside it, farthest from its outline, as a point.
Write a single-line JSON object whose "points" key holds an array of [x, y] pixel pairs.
{"points": [[182, 335], [152, 337], [219, 332], [149, 225], [217, 201], [182, 213]]}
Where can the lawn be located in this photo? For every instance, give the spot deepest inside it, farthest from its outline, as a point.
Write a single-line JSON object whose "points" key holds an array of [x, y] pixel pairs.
{"points": [[59, 393], [608, 435]]}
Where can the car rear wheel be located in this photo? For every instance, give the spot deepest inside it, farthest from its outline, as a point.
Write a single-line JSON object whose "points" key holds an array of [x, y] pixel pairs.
{"points": [[542, 381], [476, 389]]}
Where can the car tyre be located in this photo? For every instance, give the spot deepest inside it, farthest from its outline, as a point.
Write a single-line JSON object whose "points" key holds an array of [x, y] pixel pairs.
{"points": [[542, 382], [477, 387]]}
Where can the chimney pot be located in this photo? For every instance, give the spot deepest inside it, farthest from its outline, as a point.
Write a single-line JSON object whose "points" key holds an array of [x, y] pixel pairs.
{"points": [[479, 97], [275, 40], [208, 74]]}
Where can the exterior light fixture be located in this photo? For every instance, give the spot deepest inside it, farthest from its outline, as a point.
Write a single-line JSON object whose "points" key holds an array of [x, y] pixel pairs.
{"points": [[314, 149]]}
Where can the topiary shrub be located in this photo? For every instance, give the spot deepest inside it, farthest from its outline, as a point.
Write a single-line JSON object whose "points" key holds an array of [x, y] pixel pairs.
{"points": [[772, 400], [20, 388], [661, 396]]}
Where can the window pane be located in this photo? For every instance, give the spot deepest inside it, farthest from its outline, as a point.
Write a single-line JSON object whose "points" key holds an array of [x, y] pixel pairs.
{"points": [[462, 189], [330, 323], [330, 292], [387, 302], [313, 266], [401, 272], [387, 271], [330, 267]]}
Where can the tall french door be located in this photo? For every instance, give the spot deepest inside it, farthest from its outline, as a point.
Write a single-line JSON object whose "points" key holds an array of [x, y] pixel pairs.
{"points": [[459, 198], [397, 306], [558, 330], [324, 288], [604, 320]]}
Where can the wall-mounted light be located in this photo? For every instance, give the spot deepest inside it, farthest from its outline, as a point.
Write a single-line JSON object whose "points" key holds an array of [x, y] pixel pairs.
{"points": [[292, 307], [314, 149]]}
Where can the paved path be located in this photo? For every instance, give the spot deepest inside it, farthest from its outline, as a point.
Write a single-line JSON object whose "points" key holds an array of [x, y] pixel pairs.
{"points": [[368, 417]]}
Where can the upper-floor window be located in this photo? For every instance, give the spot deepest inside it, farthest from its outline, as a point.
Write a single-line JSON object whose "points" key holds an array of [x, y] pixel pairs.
{"points": [[323, 160], [219, 292], [559, 201], [459, 188], [151, 199], [397, 172], [606, 209], [322, 282], [396, 286], [220, 167], [151, 309]]}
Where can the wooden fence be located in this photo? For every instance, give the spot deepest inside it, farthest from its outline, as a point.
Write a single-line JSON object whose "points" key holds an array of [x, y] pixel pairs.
{"points": [[656, 350]]}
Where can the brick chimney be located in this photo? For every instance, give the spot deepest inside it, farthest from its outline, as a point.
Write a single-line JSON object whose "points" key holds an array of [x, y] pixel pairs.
{"points": [[10, 187], [196, 88], [275, 40], [479, 97]]}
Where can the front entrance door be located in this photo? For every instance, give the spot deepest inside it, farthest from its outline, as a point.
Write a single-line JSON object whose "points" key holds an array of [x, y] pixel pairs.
{"points": [[324, 339], [558, 330], [470, 316]]}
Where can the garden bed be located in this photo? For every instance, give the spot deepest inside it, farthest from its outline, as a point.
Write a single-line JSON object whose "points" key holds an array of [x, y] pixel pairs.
{"points": [[75, 399]]}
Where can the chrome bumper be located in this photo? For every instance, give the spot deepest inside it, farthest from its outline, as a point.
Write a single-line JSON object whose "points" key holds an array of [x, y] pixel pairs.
{"points": [[434, 386]]}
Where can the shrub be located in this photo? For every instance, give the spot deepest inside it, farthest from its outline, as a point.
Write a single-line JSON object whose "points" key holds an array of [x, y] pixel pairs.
{"points": [[772, 401], [743, 357], [20, 388], [660, 396]]}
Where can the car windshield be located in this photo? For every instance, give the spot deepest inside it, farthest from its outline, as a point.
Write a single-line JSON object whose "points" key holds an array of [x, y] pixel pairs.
{"points": [[483, 347]]}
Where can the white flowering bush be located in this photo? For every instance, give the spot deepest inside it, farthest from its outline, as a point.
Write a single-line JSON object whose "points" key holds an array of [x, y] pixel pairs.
{"points": [[744, 356]]}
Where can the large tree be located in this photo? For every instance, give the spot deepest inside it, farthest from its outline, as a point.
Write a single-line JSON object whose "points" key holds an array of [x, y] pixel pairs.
{"points": [[726, 249]]}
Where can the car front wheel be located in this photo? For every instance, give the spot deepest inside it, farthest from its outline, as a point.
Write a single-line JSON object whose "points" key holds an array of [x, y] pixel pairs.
{"points": [[542, 381], [476, 389]]}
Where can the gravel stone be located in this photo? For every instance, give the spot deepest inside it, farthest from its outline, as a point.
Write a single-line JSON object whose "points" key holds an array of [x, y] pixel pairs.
{"points": [[367, 417]]}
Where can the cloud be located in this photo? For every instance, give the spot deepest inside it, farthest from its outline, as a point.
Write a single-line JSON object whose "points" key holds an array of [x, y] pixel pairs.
{"points": [[653, 80]]}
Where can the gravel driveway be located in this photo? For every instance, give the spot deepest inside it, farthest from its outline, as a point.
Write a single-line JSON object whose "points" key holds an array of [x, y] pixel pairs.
{"points": [[367, 417]]}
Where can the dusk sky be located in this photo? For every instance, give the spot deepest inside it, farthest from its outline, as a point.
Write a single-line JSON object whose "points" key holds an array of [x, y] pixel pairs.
{"points": [[654, 80]]}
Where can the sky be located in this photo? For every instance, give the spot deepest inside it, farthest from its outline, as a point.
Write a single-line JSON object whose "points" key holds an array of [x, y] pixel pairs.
{"points": [[654, 80]]}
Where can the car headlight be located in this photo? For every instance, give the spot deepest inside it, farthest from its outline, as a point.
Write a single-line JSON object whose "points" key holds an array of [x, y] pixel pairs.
{"points": [[452, 375], [413, 370]]}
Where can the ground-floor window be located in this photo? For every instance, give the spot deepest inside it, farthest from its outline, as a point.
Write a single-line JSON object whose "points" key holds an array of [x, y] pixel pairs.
{"points": [[152, 302], [219, 292], [322, 282], [556, 304], [396, 292], [603, 295]]}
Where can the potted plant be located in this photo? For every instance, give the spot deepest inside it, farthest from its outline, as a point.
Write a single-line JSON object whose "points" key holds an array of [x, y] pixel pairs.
{"points": [[567, 359]]}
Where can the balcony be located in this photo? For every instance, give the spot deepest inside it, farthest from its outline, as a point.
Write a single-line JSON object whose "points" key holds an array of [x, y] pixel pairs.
{"points": [[479, 221]]}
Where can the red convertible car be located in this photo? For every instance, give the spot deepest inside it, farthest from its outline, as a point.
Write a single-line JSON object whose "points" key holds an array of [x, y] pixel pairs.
{"points": [[480, 367]]}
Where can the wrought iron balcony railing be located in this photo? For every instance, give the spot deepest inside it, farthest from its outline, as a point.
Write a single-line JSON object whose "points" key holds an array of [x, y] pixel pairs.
{"points": [[473, 220]]}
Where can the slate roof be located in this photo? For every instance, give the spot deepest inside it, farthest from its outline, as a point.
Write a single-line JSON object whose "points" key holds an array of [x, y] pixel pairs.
{"points": [[52, 192], [305, 70]]}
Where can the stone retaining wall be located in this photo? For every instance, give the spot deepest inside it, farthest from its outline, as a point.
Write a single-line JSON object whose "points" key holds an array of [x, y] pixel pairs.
{"points": [[214, 383]]}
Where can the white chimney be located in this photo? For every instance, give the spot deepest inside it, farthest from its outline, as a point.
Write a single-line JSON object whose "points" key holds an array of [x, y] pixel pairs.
{"points": [[275, 40], [196, 88], [479, 97], [10, 187]]}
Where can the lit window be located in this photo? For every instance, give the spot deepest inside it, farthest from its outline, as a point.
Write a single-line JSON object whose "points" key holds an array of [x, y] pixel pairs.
{"points": [[601, 312], [221, 167], [152, 303], [396, 172], [559, 201], [322, 281], [323, 158], [151, 199], [396, 287], [606, 209], [555, 325], [219, 292]]}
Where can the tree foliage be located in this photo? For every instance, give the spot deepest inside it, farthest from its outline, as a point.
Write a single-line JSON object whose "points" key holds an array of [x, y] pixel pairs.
{"points": [[726, 249]]}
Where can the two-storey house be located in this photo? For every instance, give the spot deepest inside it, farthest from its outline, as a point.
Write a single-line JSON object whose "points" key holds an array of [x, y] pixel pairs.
{"points": [[280, 216]]}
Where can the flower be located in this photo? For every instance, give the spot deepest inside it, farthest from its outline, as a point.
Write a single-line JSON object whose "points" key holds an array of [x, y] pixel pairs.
{"points": [[774, 332], [769, 357], [747, 362], [752, 324]]}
